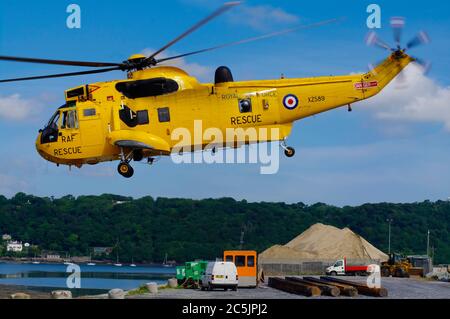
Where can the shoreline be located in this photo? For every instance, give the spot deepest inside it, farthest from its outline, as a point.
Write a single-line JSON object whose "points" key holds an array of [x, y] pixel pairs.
{"points": [[62, 262], [7, 290]]}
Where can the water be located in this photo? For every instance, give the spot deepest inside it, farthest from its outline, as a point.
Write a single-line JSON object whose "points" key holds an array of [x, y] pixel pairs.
{"points": [[94, 279]]}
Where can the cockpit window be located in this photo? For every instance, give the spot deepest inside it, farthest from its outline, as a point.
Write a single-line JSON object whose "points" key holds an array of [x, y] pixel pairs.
{"points": [[69, 119], [50, 132], [146, 88], [54, 121]]}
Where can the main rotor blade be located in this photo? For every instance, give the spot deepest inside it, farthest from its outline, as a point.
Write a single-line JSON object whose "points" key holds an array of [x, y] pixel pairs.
{"points": [[421, 38], [58, 62], [215, 14], [397, 24], [61, 75], [373, 39], [252, 39]]}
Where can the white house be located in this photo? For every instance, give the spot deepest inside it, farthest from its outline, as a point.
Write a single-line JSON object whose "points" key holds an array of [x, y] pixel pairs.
{"points": [[6, 237], [14, 246]]}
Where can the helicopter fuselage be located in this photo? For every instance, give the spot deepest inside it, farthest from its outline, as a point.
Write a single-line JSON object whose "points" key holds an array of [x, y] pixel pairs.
{"points": [[139, 116]]}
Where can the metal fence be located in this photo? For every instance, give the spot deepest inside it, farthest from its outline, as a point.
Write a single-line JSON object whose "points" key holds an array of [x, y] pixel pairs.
{"points": [[304, 267]]}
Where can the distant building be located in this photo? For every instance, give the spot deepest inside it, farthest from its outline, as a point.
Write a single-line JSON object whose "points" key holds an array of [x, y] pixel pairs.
{"points": [[102, 250], [6, 237], [422, 261], [14, 246], [120, 202], [53, 257]]}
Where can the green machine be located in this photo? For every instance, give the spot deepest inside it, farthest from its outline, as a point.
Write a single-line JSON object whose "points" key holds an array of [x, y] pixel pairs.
{"points": [[190, 274]]}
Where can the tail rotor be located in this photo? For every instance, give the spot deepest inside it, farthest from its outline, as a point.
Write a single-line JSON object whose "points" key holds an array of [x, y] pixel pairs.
{"points": [[398, 25]]}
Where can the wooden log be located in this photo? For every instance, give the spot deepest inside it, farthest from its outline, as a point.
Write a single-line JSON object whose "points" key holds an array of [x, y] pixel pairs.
{"points": [[362, 288], [345, 290], [328, 290], [294, 287]]}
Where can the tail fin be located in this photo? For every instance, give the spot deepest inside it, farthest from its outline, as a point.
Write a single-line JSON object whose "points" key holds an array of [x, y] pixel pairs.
{"points": [[386, 71]]}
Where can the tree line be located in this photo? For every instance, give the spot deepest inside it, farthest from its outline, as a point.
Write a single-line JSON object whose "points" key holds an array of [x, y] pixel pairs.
{"points": [[146, 229]]}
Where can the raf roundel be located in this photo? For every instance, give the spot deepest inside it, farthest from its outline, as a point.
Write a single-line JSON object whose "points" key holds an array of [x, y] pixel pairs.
{"points": [[290, 102]]}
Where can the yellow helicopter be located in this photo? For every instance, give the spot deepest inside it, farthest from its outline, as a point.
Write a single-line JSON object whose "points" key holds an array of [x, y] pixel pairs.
{"points": [[133, 119]]}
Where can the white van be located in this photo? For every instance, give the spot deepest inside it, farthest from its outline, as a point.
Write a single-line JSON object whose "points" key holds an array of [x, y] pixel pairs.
{"points": [[220, 274]]}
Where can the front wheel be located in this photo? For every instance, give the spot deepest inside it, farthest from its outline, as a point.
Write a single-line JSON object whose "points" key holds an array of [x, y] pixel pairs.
{"points": [[125, 170], [333, 273]]}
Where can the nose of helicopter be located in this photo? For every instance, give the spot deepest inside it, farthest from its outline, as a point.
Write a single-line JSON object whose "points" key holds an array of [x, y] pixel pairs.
{"points": [[38, 145], [42, 148]]}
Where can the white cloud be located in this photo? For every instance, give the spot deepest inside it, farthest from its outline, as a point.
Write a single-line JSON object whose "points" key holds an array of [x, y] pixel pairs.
{"points": [[15, 107], [202, 72], [261, 17], [258, 17], [418, 99]]}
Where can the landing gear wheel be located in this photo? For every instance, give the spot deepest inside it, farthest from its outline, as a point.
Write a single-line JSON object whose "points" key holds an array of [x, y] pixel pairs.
{"points": [[125, 170], [289, 152]]}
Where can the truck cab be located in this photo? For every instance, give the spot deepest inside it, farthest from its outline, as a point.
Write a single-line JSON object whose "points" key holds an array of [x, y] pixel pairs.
{"points": [[337, 269]]}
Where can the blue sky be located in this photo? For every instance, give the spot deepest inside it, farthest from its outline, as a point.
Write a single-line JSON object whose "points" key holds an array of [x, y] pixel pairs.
{"points": [[394, 147]]}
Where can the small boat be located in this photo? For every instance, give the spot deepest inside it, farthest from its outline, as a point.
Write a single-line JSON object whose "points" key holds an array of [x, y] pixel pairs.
{"points": [[132, 265], [90, 263], [165, 263], [117, 264], [36, 262]]}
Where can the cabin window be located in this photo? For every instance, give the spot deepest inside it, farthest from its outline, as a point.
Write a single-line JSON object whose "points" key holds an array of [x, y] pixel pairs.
{"points": [[89, 112], [142, 117], [147, 88], [240, 261], [245, 105], [164, 115], [338, 264], [69, 119], [229, 258], [250, 261], [128, 116]]}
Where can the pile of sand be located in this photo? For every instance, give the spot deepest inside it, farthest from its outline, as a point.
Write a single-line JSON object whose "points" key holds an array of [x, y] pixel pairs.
{"points": [[323, 242]]}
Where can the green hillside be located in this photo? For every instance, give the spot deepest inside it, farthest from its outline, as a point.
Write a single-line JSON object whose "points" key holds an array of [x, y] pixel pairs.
{"points": [[146, 229]]}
